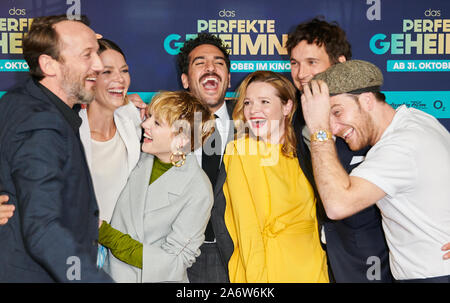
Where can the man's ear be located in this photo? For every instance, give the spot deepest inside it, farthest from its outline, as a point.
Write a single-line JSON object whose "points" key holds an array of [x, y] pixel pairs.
{"points": [[48, 65], [185, 81], [367, 101], [342, 59]]}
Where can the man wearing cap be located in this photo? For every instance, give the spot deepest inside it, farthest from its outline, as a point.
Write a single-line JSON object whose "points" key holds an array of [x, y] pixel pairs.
{"points": [[405, 172]]}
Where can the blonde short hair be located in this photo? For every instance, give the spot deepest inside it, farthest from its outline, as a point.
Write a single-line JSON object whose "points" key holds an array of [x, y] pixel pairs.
{"points": [[177, 108]]}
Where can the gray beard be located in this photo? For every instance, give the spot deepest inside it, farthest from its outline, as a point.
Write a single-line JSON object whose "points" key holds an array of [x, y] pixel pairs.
{"points": [[79, 94], [75, 90]]}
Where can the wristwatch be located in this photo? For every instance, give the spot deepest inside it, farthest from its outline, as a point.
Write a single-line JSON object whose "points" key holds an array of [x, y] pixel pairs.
{"points": [[321, 135]]}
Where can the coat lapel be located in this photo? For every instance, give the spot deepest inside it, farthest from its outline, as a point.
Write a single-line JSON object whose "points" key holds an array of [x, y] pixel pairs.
{"points": [[138, 191], [128, 134], [85, 136], [171, 182]]}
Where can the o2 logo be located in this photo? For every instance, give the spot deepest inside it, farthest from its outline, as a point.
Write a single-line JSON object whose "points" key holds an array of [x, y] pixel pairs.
{"points": [[227, 14], [432, 13], [439, 105], [17, 12]]}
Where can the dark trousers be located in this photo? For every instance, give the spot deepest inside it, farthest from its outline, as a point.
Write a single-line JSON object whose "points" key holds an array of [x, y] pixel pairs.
{"points": [[442, 279], [208, 267]]}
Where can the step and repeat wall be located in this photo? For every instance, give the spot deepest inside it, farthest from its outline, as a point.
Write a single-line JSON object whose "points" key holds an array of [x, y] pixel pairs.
{"points": [[409, 40]]}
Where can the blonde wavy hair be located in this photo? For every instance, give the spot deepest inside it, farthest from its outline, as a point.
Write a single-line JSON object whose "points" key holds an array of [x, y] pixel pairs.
{"points": [[285, 91]]}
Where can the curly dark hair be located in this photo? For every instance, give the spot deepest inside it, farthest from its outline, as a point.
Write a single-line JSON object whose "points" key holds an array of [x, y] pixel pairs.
{"points": [[202, 38], [320, 32]]}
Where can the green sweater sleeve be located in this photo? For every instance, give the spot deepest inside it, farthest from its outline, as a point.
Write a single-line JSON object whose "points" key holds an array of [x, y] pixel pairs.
{"points": [[122, 246]]}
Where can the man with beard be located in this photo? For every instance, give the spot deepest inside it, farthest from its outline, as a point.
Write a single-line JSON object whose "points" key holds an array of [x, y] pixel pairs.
{"points": [[43, 170], [405, 173], [205, 71], [313, 47]]}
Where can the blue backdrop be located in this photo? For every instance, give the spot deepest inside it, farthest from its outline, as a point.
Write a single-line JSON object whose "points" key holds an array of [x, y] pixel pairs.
{"points": [[408, 39]]}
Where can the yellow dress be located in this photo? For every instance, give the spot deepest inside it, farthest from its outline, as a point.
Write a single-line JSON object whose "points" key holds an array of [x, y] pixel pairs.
{"points": [[271, 216]]}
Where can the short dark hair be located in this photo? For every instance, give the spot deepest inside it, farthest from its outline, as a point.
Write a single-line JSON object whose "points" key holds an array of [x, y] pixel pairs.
{"points": [[321, 32], [42, 39], [105, 44], [202, 38], [380, 96]]}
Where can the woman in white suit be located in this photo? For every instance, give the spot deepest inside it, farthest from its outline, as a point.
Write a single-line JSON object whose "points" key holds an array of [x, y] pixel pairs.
{"points": [[110, 131], [160, 218]]}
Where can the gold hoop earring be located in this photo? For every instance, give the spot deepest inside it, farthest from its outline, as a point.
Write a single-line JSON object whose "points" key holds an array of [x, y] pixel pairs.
{"points": [[180, 162]]}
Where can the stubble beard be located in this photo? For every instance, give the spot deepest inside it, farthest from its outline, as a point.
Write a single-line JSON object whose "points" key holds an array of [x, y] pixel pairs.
{"points": [[214, 104], [366, 131], [75, 88]]}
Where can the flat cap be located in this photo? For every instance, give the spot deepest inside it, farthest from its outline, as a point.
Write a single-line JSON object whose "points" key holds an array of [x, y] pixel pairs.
{"points": [[353, 76]]}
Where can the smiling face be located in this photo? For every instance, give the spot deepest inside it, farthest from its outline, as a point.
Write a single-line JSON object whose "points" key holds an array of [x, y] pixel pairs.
{"points": [[265, 112], [350, 121], [158, 138], [113, 82], [208, 77], [308, 60], [79, 63]]}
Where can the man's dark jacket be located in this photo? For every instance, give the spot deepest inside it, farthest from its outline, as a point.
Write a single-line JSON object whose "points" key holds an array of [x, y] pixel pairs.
{"points": [[53, 234]]}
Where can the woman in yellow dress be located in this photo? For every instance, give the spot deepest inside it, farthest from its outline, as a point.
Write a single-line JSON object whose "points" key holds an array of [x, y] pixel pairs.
{"points": [[270, 205]]}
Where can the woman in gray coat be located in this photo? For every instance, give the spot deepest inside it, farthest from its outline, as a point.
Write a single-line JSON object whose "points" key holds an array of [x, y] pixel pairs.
{"points": [[162, 213]]}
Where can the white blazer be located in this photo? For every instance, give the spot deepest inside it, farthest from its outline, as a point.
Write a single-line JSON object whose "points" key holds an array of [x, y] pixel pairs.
{"points": [[128, 123], [169, 217]]}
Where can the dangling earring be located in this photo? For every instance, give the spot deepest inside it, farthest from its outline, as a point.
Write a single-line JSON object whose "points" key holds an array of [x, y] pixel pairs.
{"points": [[180, 162]]}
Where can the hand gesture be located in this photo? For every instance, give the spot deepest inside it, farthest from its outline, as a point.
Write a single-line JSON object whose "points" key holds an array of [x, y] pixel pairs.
{"points": [[139, 103], [446, 247], [6, 211], [316, 105]]}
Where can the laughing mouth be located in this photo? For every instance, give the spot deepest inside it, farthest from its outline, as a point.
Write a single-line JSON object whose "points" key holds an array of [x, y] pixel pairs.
{"points": [[116, 91], [210, 81], [348, 133], [305, 81], [148, 136], [91, 79], [258, 122]]}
